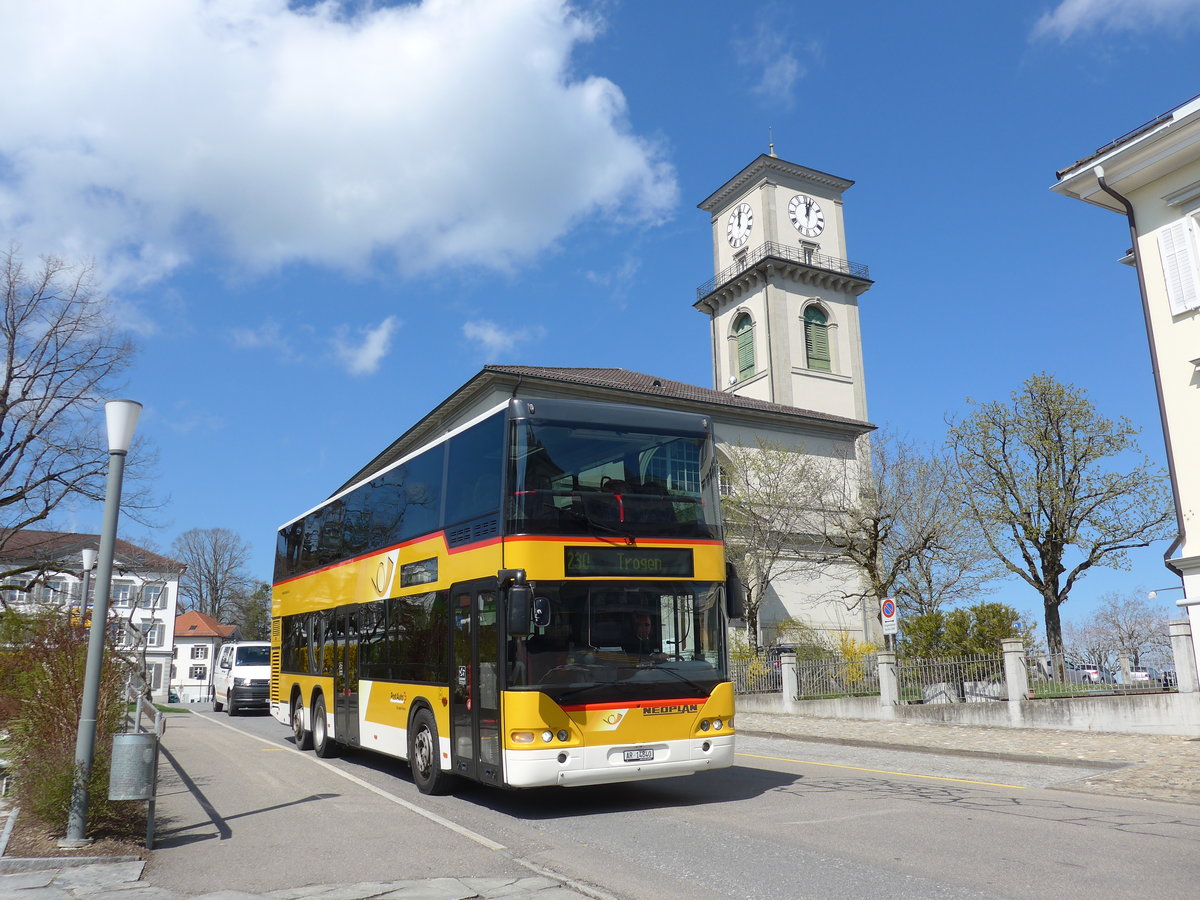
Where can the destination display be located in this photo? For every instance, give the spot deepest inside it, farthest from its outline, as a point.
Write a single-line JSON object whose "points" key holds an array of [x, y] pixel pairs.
{"points": [[632, 561]]}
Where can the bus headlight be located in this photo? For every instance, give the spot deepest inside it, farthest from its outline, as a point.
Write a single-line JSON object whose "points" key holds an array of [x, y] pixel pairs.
{"points": [[717, 725], [562, 736], [547, 736], [704, 724], [522, 737]]}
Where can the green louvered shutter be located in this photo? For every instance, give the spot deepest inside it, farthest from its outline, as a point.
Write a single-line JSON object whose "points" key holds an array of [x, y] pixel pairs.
{"points": [[816, 339], [744, 330]]}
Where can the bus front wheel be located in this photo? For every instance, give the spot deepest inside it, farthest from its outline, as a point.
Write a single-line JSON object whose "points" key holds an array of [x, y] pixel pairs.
{"points": [[302, 735], [323, 745], [423, 756]]}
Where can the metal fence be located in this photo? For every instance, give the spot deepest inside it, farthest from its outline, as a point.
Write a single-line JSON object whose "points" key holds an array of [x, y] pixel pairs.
{"points": [[837, 676], [1060, 676], [965, 679], [756, 675]]}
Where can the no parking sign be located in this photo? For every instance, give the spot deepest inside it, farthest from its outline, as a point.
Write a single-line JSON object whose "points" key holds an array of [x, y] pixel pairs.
{"points": [[887, 614]]}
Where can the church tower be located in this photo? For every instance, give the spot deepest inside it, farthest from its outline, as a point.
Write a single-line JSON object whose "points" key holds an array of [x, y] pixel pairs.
{"points": [[783, 304]]}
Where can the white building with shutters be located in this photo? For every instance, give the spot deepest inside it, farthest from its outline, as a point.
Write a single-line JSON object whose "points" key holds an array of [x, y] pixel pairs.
{"points": [[42, 571], [1151, 176]]}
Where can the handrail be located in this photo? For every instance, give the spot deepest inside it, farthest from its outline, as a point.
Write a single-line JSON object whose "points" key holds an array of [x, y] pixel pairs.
{"points": [[789, 254]]}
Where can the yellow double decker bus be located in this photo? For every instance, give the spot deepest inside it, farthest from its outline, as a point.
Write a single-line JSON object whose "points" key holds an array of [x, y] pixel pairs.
{"points": [[535, 598]]}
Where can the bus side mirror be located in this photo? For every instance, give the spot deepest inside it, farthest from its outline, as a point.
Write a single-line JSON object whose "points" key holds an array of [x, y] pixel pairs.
{"points": [[520, 597], [735, 596]]}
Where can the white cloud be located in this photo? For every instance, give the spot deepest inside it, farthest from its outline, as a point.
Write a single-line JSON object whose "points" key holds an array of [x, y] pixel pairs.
{"points": [[363, 356], [500, 341], [147, 133], [774, 60], [1073, 17], [619, 278], [267, 336]]}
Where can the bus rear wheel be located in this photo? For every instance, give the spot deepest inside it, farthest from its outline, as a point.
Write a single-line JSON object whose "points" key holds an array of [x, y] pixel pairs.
{"points": [[299, 732], [323, 745], [424, 757]]}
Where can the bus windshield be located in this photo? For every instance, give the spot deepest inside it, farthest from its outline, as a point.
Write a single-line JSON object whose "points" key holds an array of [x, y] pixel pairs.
{"points": [[576, 479], [609, 641]]}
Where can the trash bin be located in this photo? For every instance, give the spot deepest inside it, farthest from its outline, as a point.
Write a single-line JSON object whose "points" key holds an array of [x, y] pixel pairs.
{"points": [[131, 776]]}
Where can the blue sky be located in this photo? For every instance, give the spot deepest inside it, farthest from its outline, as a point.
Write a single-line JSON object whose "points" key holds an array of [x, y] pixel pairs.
{"points": [[319, 220]]}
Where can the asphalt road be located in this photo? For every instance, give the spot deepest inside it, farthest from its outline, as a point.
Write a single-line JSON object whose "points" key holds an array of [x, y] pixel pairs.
{"points": [[791, 819]]}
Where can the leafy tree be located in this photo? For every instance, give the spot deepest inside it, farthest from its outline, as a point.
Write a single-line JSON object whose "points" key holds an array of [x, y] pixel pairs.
{"points": [[62, 355], [251, 612], [1041, 479], [808, 642], [215, 579], [970, 631]]}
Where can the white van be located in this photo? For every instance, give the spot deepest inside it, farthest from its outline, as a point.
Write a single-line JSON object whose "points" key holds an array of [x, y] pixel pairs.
{"points": [[243, 677]]}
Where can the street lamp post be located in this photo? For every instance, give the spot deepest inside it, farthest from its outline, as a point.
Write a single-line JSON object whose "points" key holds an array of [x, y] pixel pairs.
{"points": [[89, 562], [121, 418]]}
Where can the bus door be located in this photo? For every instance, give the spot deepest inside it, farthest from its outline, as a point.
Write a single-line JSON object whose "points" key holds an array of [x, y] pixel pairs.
{"points": [[345, 675], [475, 692]]}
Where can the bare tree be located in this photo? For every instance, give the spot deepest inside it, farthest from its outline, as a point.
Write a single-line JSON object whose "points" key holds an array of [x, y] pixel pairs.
{"points": [[62, 359], [1089, 643], [1131, 624], [958, 565], [769, 495], [1039, 476], [900, 528], [215, 578]]}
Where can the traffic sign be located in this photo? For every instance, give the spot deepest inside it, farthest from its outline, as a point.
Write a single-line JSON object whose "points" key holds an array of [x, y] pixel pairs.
{"points": [[887, 610]]}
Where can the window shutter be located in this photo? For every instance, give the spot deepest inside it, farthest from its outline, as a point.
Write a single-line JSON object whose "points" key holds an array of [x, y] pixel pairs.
{"points": [[816, 339], [1176, 246], [745, 347]]}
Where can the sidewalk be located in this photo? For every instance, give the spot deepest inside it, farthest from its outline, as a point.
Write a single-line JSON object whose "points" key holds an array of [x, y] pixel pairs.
{"points": [[226, 830], [204, 800]]}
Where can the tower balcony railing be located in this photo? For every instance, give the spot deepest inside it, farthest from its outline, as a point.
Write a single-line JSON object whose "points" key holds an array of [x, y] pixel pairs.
{"points": [[802, 255]]}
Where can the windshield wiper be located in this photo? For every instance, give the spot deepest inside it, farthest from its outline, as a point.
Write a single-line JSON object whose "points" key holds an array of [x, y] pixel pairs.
{"points": [[582, 513], [682, 678]]}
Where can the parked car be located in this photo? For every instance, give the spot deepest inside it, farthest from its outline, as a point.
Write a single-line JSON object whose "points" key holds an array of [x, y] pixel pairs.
{"points": [[1142, 675], [1086, 673]]}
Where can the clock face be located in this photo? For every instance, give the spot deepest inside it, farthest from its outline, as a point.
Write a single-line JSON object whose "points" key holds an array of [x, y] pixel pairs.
{"points": [[806, 215], [741, 221]]}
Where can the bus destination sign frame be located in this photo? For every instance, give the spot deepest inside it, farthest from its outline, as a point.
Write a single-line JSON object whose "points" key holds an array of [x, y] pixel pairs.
{"points": [[636, 562]]}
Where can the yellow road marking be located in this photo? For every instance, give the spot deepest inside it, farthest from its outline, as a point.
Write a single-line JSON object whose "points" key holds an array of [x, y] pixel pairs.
{"points": [[1015, 787]]}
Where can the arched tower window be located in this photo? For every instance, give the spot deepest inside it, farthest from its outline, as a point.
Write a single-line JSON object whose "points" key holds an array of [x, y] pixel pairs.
{"points": [[743, 332], [816, 338]]}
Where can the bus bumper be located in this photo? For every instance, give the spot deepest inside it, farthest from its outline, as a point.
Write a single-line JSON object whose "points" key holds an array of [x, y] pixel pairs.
{"points": [[577, 766]]}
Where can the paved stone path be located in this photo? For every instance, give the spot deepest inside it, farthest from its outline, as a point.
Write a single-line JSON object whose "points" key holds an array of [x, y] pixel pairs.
{"points": [[1152, 766]]}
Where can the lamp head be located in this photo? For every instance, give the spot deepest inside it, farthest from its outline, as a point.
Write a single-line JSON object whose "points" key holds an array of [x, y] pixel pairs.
{"points": [[122, 416]]}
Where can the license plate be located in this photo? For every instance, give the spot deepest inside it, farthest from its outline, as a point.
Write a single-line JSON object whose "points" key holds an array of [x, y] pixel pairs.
{"points": [[642, 755]]}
